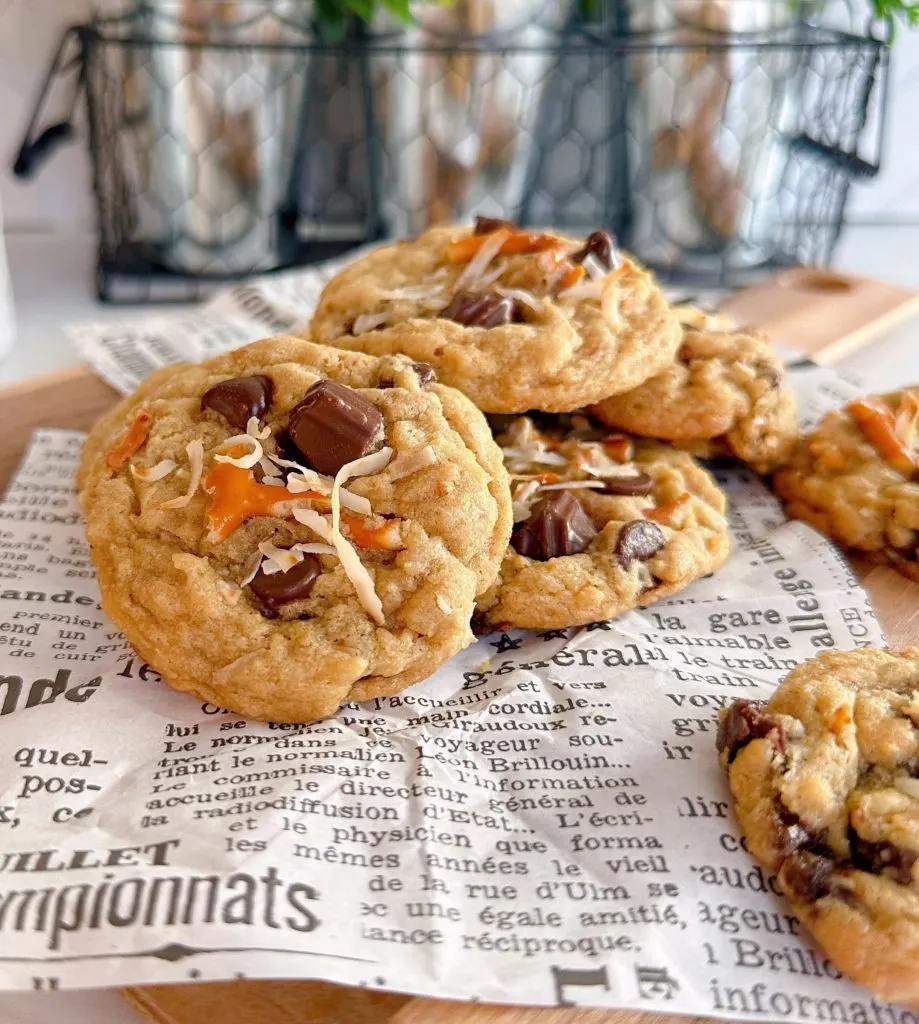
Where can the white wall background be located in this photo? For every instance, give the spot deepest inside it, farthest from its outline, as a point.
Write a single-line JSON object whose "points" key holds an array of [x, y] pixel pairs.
{"points": [[59, 198]]}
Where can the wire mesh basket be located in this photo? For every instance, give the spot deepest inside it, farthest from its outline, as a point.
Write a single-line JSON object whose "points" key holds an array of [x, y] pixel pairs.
{"points": [[233, 147]]}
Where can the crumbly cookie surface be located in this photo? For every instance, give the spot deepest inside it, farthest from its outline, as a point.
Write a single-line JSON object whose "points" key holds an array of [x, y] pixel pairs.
{"points": [[725, 386], [429, 523], [854, 478], [520, 339], [649, 520], [825, 780]]}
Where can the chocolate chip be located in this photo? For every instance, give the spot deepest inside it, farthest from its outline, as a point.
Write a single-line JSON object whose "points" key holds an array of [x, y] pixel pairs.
{"points": [[425, 373], [558, 525], [640, 483], [807, 875], [332, 425], [602, 246], [475, 309], [485, 225], [879, 857], [791, 834], [282, 588], [638, 540], [286, 447], [743, 722], [239, 399]]}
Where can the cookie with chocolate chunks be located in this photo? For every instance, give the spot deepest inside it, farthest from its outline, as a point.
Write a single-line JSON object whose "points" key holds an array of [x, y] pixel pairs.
{"points": [[724, 394], [517, 320], [604, 523], [825, 780], [252, 576]]}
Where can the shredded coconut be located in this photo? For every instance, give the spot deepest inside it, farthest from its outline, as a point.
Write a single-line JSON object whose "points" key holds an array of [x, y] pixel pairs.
{"points": [[351, 563], [269, 469], [593, 267], [278, 559], [355, 502], [411, 462], [311, 518], [252, 429], [195, 452], [246, 461], [479, 263], [521, 295], [150, 476], [298, 483], [488, 279], [524, 500], [582, 290], [534, 454], [414, 292], [316, 549], [252, 567], [593, 460], [573, 485], [354, 568], [367, 322]]}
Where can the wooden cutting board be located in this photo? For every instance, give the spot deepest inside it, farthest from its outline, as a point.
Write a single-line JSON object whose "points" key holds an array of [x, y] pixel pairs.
{"points": [[75, 399], [821, 313]]}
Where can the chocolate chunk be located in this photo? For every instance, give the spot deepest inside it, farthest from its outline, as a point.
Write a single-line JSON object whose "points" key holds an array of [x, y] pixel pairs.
{"points": [[640, 483], [480, 626], [286, 447], [485, 225], [640, 540], [280, 588], [332, 425], [239, 399], [558, 525], [743, 722], [475, 309], [602, 246], [880, 857], [791, 834], [807, 876], [425, 373]]}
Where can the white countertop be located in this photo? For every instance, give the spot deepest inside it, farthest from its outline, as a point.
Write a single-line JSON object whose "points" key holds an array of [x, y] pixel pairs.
{"points": [[53, 285]]}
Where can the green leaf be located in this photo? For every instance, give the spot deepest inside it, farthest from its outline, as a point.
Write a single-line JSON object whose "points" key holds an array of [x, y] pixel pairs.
{"points": [[893, 10], [401, 9]]}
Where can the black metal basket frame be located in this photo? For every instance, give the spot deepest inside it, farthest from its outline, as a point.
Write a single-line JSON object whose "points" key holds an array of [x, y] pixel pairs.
{"points": [[82, 44]]}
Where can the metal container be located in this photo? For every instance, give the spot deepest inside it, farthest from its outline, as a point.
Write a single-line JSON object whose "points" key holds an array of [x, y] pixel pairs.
{"points": [[711, 102], [458, 97], [220, 110]]}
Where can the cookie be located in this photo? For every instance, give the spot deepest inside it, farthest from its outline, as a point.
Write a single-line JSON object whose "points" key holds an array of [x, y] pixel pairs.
{"points": [[516, 321], [604, 523], [854, 478], [289, 527], [726, 387], [825, 780]]}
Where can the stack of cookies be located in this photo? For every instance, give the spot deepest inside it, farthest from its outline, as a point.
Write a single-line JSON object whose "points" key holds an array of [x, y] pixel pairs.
{"points": [[494, 428], [303, 523]]}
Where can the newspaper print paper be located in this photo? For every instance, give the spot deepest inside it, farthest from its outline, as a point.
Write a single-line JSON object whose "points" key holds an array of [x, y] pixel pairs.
{"points": [[544, 821]]}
